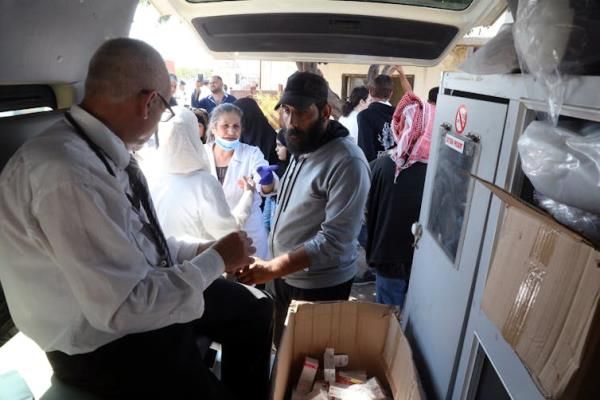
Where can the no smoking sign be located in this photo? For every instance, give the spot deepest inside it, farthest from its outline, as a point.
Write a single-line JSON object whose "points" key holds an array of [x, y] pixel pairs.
{"points": [[460, 122]]}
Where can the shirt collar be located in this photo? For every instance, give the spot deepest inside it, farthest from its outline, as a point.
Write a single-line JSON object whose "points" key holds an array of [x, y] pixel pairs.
{"points": [[387, 103], [103, 137], [212, 98]]}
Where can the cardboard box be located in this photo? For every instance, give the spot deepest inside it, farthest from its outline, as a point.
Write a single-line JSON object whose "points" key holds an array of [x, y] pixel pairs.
{"points": [[368, 333], [542, 293]]}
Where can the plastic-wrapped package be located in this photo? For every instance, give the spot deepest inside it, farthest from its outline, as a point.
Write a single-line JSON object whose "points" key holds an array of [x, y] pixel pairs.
{"points": [[557, 38], [370, 390], [562, 164], [585, 223], [498, 56]]}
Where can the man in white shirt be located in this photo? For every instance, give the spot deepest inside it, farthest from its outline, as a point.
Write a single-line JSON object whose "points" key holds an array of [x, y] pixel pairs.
{"points": [[87, 271]]}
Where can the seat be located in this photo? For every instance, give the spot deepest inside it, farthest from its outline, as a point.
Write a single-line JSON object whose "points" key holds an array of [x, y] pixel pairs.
{"points": [[13, 386], [14, 131]]}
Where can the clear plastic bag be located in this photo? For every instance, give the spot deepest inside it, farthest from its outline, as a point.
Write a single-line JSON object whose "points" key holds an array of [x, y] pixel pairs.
{"points": [[562, 164], [585, 223], [557, 38], [498, 56]]}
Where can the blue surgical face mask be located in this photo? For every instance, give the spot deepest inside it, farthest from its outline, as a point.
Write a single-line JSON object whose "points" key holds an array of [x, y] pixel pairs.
{"points": [[227, 145]]}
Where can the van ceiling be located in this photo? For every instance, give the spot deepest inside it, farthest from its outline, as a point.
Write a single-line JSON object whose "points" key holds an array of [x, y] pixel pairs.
{"points": [[409, 32], [325, 33], [52, 41]]}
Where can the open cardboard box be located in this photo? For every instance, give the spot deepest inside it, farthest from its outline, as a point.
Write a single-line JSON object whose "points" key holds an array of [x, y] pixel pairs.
{"points": [[368, 333], [542, 293]]}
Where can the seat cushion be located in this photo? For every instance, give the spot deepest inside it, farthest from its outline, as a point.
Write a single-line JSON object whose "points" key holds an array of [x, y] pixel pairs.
{"points": [[14, 387]]}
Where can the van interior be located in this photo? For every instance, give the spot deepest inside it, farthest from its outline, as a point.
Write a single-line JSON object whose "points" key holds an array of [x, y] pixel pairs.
{"points": [[459, 354]]}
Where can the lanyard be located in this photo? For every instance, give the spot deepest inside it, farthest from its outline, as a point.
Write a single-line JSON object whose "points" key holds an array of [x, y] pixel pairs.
{"points": [[135, 204], [95, 148]]}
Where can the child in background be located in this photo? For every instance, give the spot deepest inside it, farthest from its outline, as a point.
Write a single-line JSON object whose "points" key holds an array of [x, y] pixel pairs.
{"points": [[283, 156]]}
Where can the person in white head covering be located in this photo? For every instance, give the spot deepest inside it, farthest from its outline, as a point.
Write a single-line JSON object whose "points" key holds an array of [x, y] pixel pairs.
{"points": [[190, 203]]}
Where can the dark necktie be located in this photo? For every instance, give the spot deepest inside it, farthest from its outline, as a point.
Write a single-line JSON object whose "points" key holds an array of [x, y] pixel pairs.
{"points": [[141, 195]]}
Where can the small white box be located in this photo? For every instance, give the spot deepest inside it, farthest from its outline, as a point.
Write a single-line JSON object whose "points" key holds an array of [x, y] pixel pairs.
{"points": [[329, 365], [341, 360]]}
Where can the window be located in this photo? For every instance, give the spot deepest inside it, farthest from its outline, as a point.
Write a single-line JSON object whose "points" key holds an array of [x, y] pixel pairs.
{"points": [[350, 81], [452, 192], [26, 99], [12, 113]]}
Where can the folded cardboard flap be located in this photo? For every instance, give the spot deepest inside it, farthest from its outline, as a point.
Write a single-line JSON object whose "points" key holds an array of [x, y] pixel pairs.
{"points": [[542, 293], [402, 378], [368, 333], [512, 201]]}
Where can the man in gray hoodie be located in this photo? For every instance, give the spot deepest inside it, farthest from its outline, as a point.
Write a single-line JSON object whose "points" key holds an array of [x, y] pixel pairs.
{"points": [[320, 203]]}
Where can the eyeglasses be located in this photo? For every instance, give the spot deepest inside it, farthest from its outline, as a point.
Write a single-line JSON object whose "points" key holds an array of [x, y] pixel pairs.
{"points": [[168, 112]]}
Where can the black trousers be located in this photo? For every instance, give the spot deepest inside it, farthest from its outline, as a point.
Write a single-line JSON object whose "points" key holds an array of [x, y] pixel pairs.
{"points": [[166, 363], [284, 294]]}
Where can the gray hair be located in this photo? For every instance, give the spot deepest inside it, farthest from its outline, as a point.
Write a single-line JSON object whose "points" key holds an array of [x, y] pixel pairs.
{"points": [[123, 67], [216, 114]]}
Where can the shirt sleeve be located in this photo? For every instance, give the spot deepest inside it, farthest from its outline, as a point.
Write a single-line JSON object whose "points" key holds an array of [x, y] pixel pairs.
{"points": [[214, 210], [242, 210], [89, 233], [346, 196]]}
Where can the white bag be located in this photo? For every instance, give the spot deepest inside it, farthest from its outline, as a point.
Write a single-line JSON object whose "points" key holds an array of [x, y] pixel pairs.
{"points": [[562, 164]]}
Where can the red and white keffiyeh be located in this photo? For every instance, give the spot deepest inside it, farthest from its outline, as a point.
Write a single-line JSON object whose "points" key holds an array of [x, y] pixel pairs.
{"points": [[412, 124]]}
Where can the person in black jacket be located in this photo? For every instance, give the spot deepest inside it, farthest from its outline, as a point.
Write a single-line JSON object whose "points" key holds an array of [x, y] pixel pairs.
{"points": [[256, 129], [392, 208], [374, 128]]}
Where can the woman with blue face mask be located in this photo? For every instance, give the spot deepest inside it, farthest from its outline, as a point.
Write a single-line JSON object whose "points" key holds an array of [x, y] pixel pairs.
{"points": [[232, 160]]}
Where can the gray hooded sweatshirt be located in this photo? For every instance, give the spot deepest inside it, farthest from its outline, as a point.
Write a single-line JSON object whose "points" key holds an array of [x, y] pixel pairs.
{"points": [[320, 205]]}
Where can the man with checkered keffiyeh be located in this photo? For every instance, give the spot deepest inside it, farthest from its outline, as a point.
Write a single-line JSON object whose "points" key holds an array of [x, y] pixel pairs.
{"points": [[394, 204]]}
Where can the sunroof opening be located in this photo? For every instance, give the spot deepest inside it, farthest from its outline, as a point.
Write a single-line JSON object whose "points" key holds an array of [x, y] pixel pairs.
{"points": [[325, 34], [455, 5]]}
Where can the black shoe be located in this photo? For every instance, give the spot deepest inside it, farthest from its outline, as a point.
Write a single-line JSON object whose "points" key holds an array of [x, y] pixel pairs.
{"points": [[366, 279]]}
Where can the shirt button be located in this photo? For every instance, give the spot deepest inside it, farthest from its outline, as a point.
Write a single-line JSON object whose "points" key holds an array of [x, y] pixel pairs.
{"points": [[163, 263]]}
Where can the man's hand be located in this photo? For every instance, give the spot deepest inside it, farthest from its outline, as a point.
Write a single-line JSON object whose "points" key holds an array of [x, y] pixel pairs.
{"points": [[263, 271], [235, 249], [404, 83], [259, 272]]}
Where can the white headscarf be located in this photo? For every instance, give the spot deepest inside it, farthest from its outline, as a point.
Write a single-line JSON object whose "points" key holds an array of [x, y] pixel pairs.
{"points": [[181, 150]]}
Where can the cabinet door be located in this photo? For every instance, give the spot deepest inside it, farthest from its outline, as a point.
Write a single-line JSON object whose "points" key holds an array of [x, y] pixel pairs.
{"points": [[453, 218]]}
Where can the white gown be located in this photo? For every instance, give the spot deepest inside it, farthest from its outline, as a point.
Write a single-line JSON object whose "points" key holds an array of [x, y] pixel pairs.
{"points": [[246, 159], [189, 200]]}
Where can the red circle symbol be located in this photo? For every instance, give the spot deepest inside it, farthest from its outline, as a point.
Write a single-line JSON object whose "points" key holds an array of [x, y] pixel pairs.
{"points": [[460, 122]]}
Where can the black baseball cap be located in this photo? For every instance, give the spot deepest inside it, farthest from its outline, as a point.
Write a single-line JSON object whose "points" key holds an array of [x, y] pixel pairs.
{"points": [[303, 89]]}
